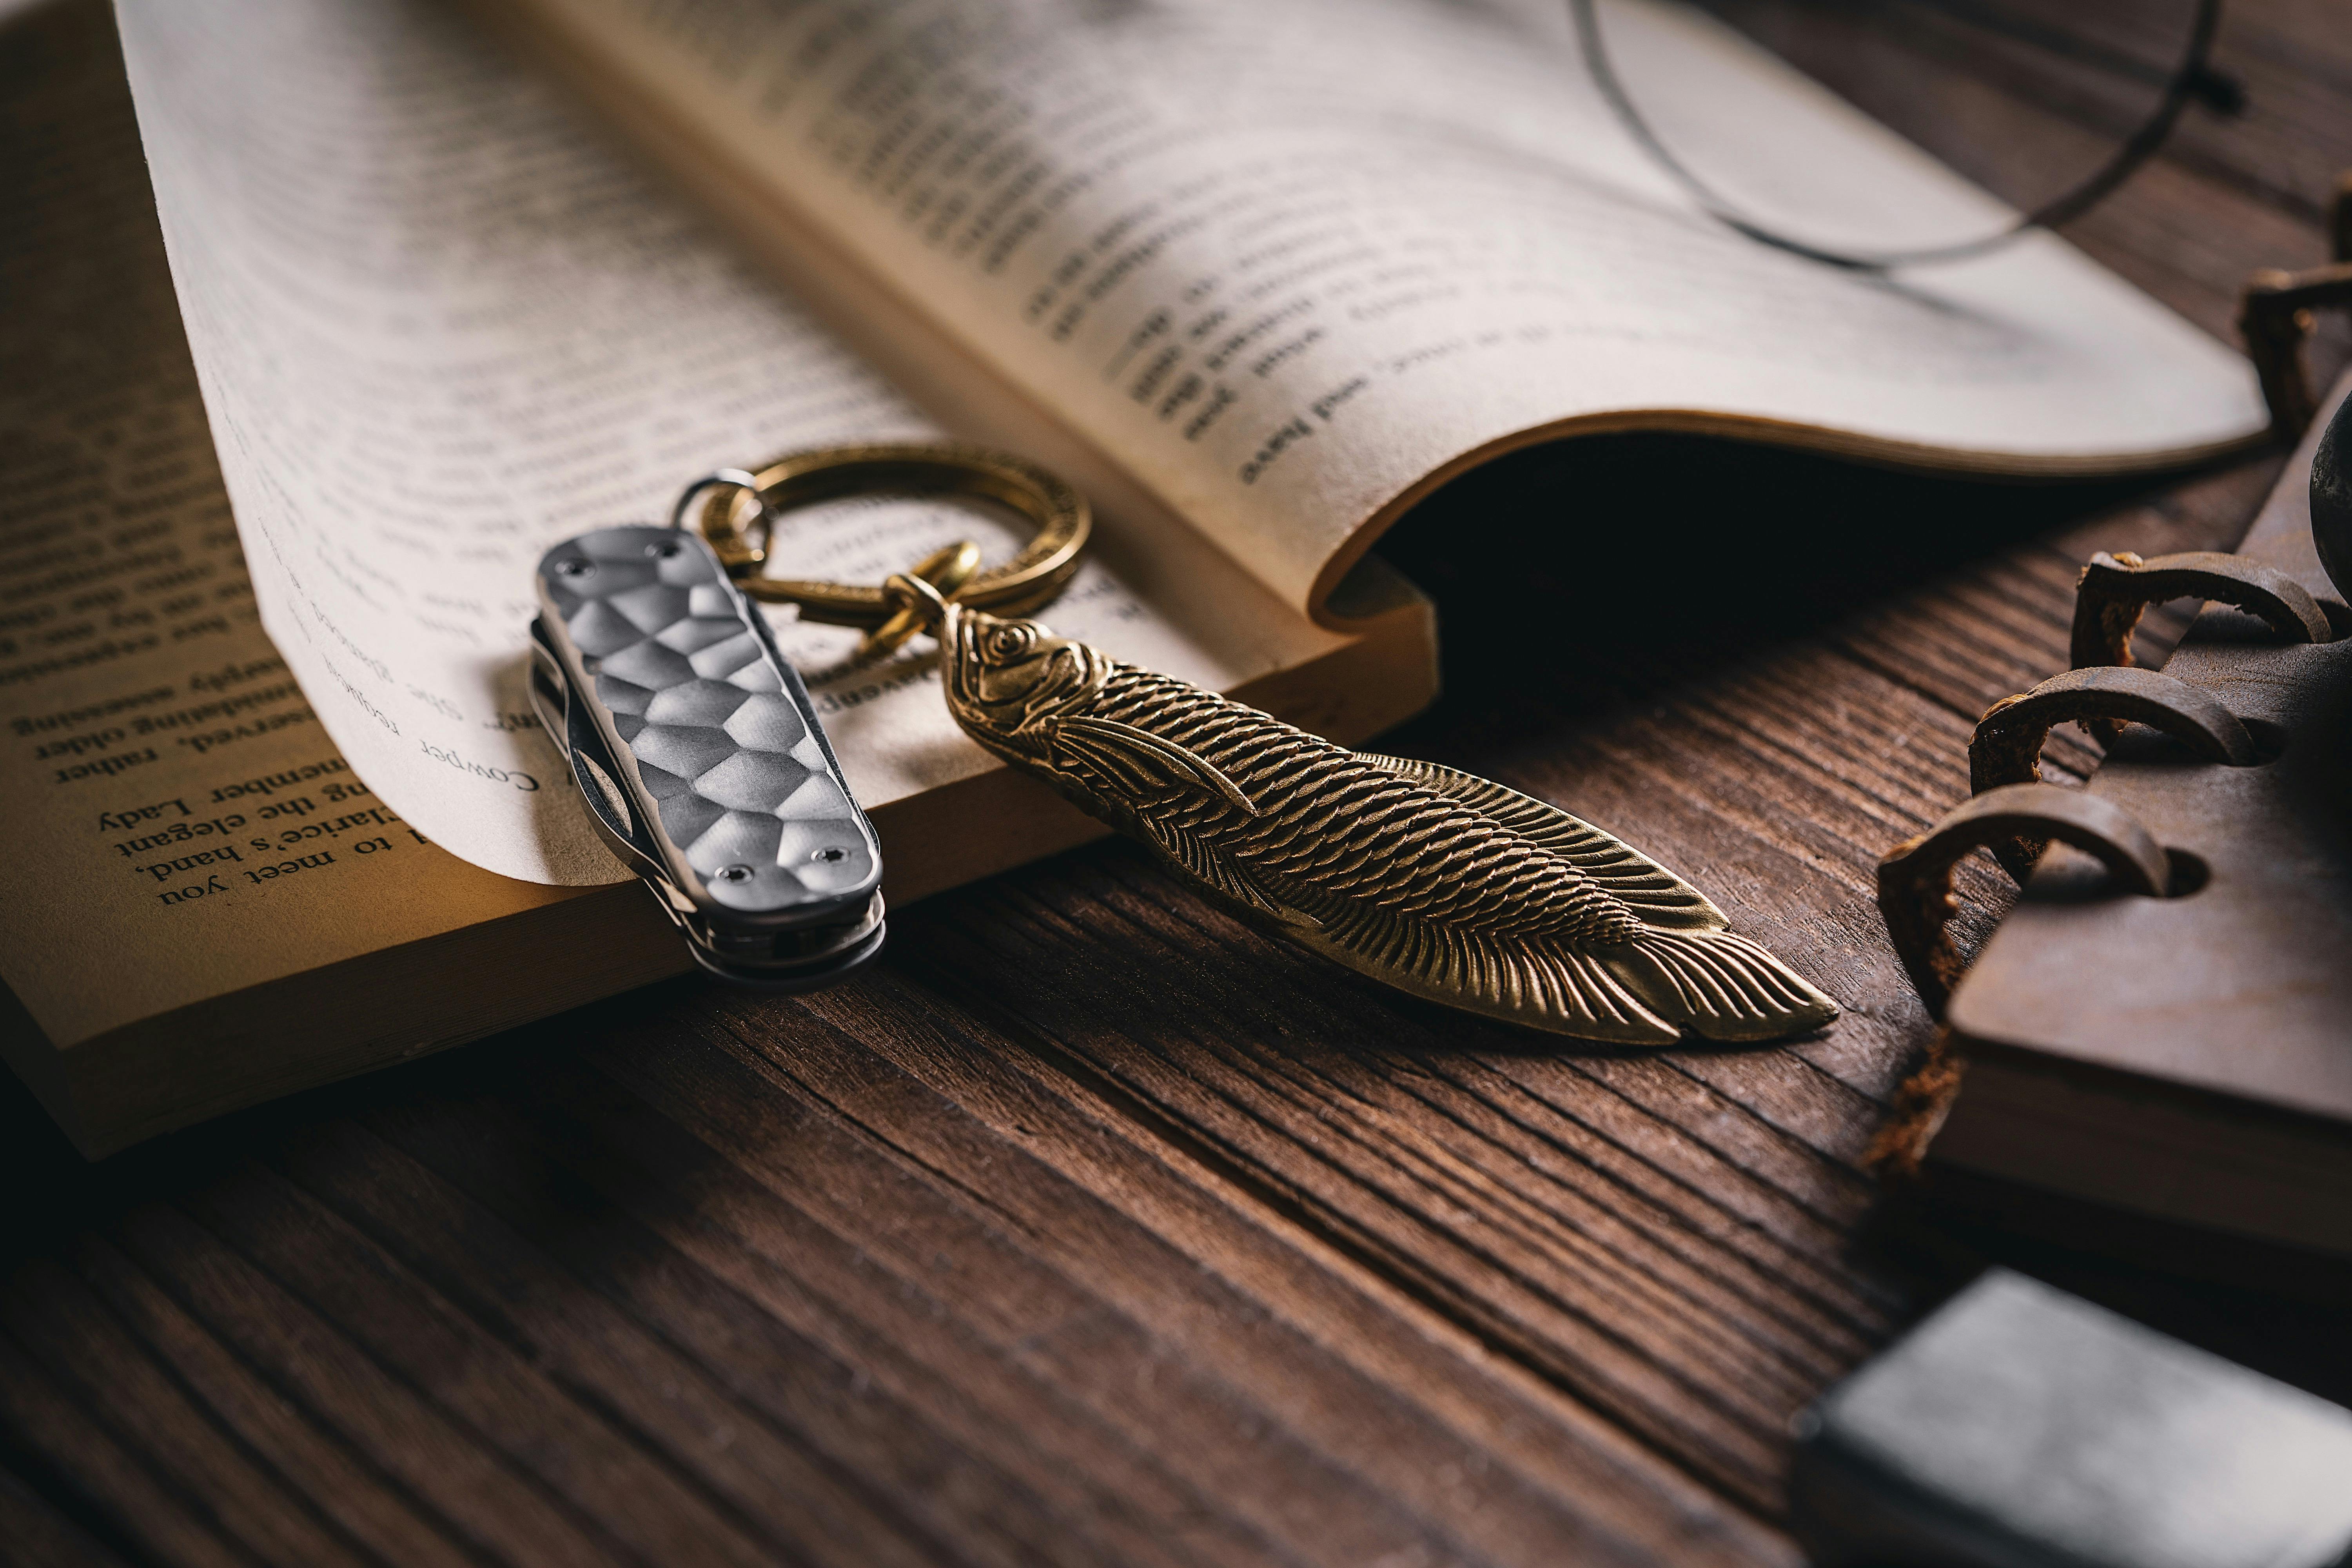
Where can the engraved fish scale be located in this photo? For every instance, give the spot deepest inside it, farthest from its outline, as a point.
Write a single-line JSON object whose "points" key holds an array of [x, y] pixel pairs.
{"points": [[1437, 882], [1356, 829]]}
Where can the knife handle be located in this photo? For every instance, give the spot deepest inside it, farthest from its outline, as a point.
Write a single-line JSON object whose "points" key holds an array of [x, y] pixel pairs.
{"points": [[702, 761]]}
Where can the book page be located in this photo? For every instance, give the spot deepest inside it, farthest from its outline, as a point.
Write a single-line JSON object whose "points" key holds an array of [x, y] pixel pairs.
{"points": [[179, 823], [440, 326], [1291, 265]]}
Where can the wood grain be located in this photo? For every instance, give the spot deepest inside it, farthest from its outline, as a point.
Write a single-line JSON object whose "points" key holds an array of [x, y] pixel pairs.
{"points": [[1095, 1227]]}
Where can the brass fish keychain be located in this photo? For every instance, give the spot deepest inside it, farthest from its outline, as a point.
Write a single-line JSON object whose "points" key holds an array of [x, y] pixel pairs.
{"points": [[1437, 882]]}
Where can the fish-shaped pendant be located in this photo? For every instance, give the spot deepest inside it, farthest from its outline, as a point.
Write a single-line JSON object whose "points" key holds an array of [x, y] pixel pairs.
{"points": [[1438, 882]]}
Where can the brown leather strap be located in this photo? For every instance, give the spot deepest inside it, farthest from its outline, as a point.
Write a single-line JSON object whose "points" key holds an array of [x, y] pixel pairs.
{"points": [[2006, 746], [2115, 590], [1914, 880], [2274, 316]]}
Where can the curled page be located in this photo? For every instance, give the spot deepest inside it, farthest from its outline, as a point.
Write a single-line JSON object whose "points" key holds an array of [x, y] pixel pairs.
{"points": [[1293, 265], [438, 326]]}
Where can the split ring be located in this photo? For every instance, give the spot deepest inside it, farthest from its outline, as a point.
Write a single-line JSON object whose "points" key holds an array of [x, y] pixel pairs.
{"points": [[736, 515]]}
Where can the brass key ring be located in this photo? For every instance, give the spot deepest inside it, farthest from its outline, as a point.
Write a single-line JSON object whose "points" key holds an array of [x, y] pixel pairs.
{"points": [[736, 515]]}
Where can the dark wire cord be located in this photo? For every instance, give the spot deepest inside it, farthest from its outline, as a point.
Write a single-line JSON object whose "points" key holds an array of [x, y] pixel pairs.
{"points": [[2194, 79]]}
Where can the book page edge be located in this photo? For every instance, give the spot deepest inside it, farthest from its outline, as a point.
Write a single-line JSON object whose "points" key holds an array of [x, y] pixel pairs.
{"points": [[1758, 431]]}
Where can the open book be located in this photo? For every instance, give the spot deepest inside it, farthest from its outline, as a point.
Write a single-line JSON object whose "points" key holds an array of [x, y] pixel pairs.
{"points": [[1255, 278]]}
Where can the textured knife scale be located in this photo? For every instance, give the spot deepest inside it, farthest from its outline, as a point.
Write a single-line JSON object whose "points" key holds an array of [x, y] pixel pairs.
{"points": [[703, 763], [1441, 884]]}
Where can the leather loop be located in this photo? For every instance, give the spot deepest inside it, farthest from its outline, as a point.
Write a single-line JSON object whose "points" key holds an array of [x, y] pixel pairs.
{"points": [[2006, 746], [2115, 590], [2275, 319], [1914, 880]]}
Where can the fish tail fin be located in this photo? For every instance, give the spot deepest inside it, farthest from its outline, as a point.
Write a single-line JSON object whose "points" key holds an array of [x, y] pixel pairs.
{"points": [[1719, 987]]}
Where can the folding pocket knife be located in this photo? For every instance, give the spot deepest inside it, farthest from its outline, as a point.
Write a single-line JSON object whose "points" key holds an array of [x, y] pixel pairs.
{"points": [[702, 762]]}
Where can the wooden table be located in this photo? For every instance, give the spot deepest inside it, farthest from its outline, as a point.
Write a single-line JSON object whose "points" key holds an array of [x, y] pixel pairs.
{"points": [[1096, 1228]]}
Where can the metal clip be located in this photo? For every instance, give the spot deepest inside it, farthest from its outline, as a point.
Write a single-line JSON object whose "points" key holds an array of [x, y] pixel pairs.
{"points": [[702, 762]]}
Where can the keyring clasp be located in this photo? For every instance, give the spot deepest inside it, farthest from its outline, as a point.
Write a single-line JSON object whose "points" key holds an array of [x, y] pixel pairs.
{"points": [[736, 511]]}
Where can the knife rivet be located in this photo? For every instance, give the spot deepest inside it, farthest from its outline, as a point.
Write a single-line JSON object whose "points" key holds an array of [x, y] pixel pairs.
{"points": [[737, 873], [667, 549], [829, 855], [573, 567]]}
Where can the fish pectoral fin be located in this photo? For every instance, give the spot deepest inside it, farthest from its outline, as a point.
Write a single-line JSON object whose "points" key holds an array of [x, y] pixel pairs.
{"points": [[1720, 986], [1655, 893], [1203, 861], [1140, 760]]}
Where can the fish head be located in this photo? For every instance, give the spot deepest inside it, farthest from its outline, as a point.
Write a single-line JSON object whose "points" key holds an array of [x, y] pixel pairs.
{"points": [[1008, 680]]}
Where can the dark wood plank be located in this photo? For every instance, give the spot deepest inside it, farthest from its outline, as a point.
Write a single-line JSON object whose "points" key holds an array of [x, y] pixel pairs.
{"points": [[687, 1412], [1094, 1228], [394, 1428], [85, 1470], [231, 1404], [38, 1536], [1602, 1293], [62, 1324], [1381, 1432]]}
